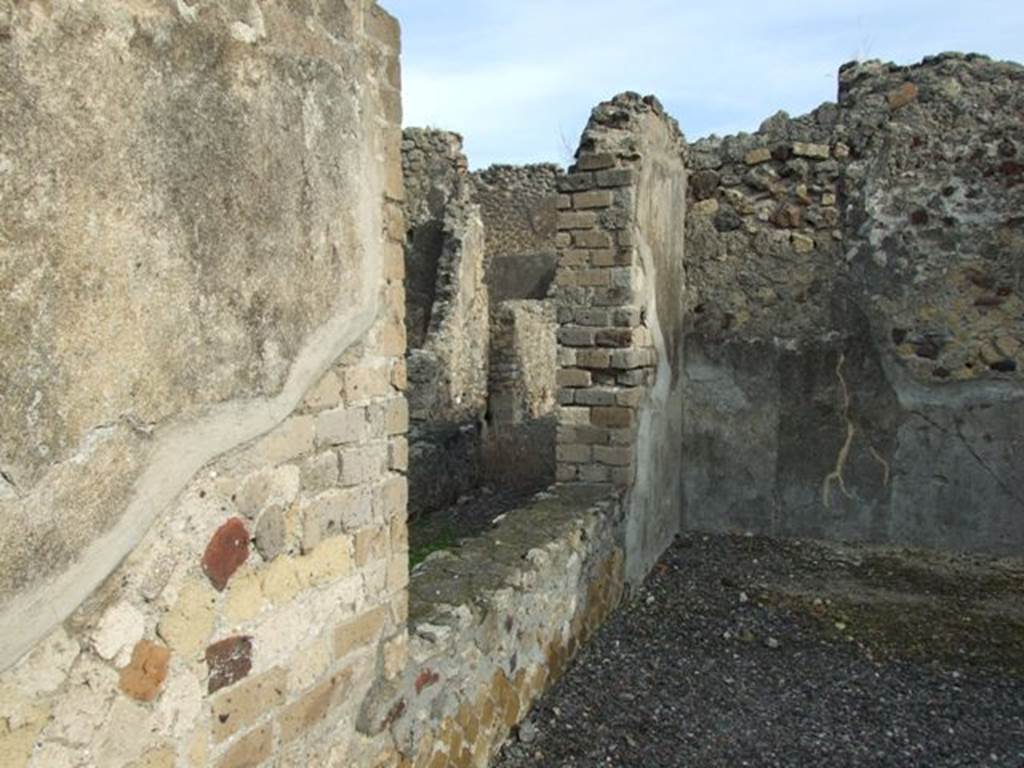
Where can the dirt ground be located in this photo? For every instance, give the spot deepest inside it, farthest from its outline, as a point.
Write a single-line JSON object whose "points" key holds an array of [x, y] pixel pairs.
{"points": [[747, 651]]}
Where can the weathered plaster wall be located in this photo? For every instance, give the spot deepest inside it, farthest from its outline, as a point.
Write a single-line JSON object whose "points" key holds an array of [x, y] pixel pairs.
{"points": [[518, 206], [203, 421], [520, 212], [621, 244], [853, 368], [447, 319], [519, 445]]}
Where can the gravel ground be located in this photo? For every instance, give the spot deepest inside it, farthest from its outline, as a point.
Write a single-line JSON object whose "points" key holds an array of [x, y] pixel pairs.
{"points": [[744, 651]]}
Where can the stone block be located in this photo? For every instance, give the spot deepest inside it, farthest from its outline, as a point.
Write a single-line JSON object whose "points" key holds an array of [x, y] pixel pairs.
{"points": [[633, 358], [592, 238], [616, 456], [576, 220], [289, 441], [326, 393], [371, 546], [757, 156], [593, 358], [594, 162], [611, 257], [573, 416], [187, 626], [574, 336], [251, 750], [236, 710], [626, 317], [281, 582], [363, 464], [573, 377], [623, 476], [393, 497], [332, 512], [601, 198], [574, 454], [595, 473], [631, 397], [566, 473], [341, 426], [399, 375], [615, 177], [313, 707], [122, 626], [576, 182], [359, 633], [244, 599], [596, 396], [614, 337], [394, 261], [574, 257], [813, 151], [271, 537], [366, 383], [398, 454], [395, 655], [614, 417], [330, 561], [319, 472], [593, 277], [586, 434], [396, 416]]}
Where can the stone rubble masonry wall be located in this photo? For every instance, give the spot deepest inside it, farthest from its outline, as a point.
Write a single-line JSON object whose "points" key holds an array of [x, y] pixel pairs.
{"points": [[248, 623], [496, 623], [447, 320], [519, 208], [519, 205], [620, 243], [519, 446], [853, 359]]}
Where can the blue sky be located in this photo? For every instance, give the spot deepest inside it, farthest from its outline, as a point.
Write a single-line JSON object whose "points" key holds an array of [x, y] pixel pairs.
{"points": [[518, 78]]}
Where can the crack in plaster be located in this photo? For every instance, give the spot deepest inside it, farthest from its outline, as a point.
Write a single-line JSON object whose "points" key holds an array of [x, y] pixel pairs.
{"points": [[984, 465], [974, 454], [836, 475]]}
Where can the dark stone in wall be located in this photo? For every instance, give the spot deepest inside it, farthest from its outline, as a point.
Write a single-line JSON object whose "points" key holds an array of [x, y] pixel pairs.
{"points": [[528, 276]]}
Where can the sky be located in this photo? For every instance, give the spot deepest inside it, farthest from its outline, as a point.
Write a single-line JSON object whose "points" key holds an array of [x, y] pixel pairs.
{"points": [[518, 78]]}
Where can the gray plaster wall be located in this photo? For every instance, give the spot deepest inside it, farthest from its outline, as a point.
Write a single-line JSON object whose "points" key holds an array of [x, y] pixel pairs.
{"points": [[518, 206], [653, 503], [853, 356], [191, 229]]}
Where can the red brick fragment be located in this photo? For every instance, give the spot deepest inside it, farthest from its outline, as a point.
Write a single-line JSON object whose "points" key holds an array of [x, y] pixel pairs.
{"points": [[228, 661], [146, 672], [426, 679], [227, 550]]}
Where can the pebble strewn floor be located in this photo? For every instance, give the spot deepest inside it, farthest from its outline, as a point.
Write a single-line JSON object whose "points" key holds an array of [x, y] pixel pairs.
{"points": [[744, 651]]}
